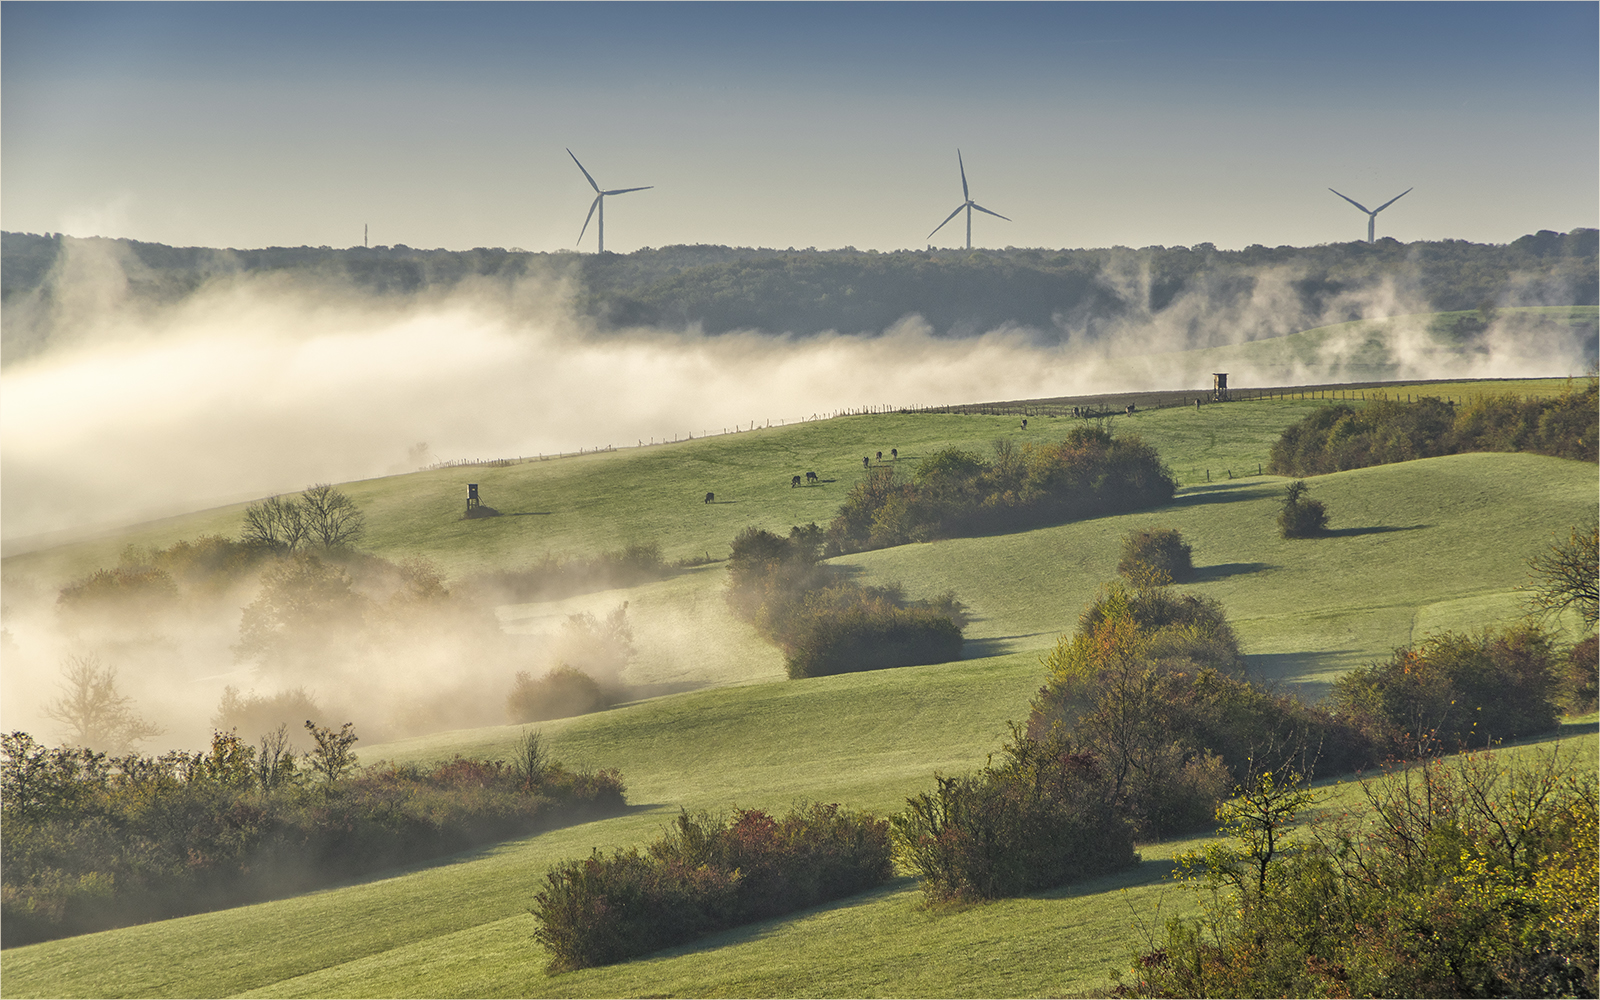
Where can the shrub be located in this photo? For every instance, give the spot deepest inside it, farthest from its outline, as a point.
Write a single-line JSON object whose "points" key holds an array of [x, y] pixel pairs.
{"points": [[1044, 817], [704, 875], [826, 625], [1580, 678], [563, 692], [1155, 558], [858, 630], [1300, 516], [1455, 691]]}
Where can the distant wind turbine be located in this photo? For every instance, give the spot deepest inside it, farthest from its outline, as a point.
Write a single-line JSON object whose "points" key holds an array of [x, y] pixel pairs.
{"points": [[1372, 213], [967, 204], [600, 203]]}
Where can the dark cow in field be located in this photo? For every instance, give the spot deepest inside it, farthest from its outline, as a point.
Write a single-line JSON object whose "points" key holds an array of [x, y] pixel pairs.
{"points": [[811, 477], [794, 481], [866, 461], [894, 453], [1130, 407], [880, 456], [1024, 423], [710, 497]]}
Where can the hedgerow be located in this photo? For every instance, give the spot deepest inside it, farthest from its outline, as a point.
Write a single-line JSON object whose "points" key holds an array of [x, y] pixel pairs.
{"points": [[93, 842], [955, 492], [1339, 438], [706, 874], [828, 625]]}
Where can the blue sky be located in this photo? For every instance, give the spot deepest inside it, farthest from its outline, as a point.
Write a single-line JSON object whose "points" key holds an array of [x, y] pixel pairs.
{"points": [[445, 125]]}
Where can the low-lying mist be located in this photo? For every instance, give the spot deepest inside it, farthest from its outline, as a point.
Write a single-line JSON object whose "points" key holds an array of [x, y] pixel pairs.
{"points": [[260, 384]]}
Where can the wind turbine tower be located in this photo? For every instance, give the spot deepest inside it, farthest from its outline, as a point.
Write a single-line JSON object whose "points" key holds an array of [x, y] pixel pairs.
{"points": [[1372, 213], [600, 203], [967, 203]]}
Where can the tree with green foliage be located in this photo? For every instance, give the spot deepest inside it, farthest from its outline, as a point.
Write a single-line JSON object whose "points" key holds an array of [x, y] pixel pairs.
{"points": [[332, 756]]}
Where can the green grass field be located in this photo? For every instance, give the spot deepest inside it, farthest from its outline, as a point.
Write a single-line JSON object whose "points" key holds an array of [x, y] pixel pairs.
{"points": [[1416, 547]]}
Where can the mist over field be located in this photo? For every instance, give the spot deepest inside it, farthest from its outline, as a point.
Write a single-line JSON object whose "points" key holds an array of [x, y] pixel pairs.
{"points": [[125, 407]]}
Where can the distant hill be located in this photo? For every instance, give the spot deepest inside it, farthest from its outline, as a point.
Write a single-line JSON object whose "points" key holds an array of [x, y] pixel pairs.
{"points": [[1203, 295]]}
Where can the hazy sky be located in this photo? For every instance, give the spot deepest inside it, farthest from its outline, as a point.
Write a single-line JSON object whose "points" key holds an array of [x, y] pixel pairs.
{"points": [[445, 125]]}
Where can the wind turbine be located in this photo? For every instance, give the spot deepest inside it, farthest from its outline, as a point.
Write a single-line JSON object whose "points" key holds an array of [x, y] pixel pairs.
{"points": [[600, 203], [1372, 213], [967, 204]]}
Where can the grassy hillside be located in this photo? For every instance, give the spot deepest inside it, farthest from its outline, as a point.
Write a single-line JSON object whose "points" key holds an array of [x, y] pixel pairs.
{"points": [[597, 502], [1438, 543]]}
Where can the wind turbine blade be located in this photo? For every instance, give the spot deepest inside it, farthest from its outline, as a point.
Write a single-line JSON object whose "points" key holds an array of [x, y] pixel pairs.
{"points": [[1353, 202], [1391, 201], [626, 190], [585, 174], [964, 195], [985, 211], [947, 219], [592, 206]]}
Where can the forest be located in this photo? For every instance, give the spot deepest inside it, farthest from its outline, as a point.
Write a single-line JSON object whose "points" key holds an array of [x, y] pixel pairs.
{"points": [[1053, 295]]}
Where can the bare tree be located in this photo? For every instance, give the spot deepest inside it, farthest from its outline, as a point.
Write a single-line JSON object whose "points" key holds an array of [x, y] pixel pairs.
{"points": [[1566, 576], [94, 713], [331, 517], [275, 522]]}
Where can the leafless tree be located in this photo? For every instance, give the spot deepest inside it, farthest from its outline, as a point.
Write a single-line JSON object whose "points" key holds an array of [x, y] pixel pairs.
{"points": [[1565, 577], [275, 522], [331, 517], [94, 713]]}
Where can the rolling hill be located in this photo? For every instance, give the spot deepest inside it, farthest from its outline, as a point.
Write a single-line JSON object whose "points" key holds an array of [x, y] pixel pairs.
{"points": [[1416, 547]]}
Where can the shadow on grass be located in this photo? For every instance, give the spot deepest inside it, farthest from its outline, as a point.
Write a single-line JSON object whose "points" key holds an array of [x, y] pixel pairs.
{"points": [[1221, 571], [532, 513], [1376, 530], [1297, 669], [977, 649], [1227, 492]]}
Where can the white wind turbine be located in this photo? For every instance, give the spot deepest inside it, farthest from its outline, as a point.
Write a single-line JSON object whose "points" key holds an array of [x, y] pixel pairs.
{"points": [[600, 203], [967, 204], [1372, 213]]}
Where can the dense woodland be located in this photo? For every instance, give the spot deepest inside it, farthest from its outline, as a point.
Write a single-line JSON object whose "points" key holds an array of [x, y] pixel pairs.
{"points": [[1052, 294]]}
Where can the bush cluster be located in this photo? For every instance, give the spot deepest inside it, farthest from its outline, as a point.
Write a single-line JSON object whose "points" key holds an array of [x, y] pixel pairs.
{"points": [[703, 875], [1151, 687], [1044, 817], [1473, 878], [828, 625], [1338, 438], [1455, 691], [955, 492], [94, 842]]}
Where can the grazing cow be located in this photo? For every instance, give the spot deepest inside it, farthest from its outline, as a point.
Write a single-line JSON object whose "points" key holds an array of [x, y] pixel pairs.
{"points": [[710, 497], [1130, 407], [895, 454], [866, 462], [811, 477], [1024, 423], [794, 481], [880, 456]]}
